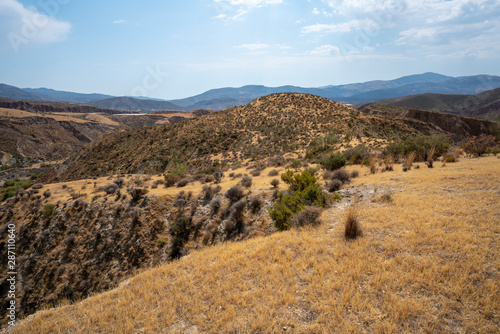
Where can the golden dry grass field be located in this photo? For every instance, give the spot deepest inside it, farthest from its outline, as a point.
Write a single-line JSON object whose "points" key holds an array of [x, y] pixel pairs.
{"points": [[428, 262]]}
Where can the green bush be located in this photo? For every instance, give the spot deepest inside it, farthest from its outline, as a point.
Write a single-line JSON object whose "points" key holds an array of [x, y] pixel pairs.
{"points": [[356, 155], [48, 210], [321, 145], [303, 190], [333, 161], [420, 144]]}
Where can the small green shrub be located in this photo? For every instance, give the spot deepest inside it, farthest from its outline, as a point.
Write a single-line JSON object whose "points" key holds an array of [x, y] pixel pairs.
{"points": [[333, 161], [48, 210], [303, 190], [356, 155]]}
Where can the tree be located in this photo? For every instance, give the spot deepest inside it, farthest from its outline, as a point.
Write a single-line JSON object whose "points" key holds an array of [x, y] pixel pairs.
{"points": [[478, 145]]}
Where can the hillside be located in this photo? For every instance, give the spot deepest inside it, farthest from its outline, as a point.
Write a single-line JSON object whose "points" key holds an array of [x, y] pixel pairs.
{"points": [[38, 132], [267, 127], [57, 107], [485, 105], [133, 104], [428, 260], [12, 92]]}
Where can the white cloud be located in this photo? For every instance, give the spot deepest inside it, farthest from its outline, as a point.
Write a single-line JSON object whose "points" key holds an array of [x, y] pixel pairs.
{"points": [[21, 25], [325, 50], [252, 47], [316, 11], [338, 27], [119, 21]]}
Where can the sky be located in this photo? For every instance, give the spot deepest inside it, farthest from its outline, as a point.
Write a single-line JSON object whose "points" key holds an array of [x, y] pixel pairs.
{"points": [[179, 48]]}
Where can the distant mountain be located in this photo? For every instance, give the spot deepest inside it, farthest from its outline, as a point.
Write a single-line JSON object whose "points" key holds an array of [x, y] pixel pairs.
{"points": [[460, 85], [484, 105], [222, 98], [133, 104], [13, 92], [67, 96]]}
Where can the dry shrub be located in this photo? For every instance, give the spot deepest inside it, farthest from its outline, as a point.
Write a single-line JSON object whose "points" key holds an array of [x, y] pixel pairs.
{"points": [[408, 162], [47, 193], [384, 198], [215, 205], [209, 192], [274, 172], [183, 182], [137, 193], [341, 175], [255, 204], [275, 183], [119, 182], [352, 224], [354, 174], [373, 167], [246, 181], [308, 216], [234, 194], [334, 185], [170, 180], [255, 173], [327, 175], [111, 188]]}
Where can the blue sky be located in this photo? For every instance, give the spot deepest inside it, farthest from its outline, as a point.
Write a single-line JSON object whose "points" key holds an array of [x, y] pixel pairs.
{"points": [[178, 48]]}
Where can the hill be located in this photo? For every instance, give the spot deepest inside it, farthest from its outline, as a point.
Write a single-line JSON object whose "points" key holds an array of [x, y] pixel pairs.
{"points": [[67, 96], [43, 131], [133, 104], [267, 127], [484, 105], [12, 92]]}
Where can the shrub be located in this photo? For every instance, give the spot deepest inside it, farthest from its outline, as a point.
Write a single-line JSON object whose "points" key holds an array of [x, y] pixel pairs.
{"points": [[119, 182], [137, 193], [333, 161], [273, 172], [255, 204], [234, 194], [321, 145], [111, 188], [179, 169], [215, 205], [356, 155], [334, 185], [246, 181], [308, 216], [218, 176], [420, 144], [352, 225], [48, 210], [47, 193], [180, 232], [477, 146], [342, 175], [354, 174], [182, 183], [255, 173], [209, 192], [303, 190], [170, 180], [275, 183]]}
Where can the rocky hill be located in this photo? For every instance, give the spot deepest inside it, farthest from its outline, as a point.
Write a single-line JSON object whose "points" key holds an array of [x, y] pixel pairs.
{"points": [[267, 127]]}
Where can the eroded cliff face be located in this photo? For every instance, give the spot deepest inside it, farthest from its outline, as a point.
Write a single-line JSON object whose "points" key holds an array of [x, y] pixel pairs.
{"points": [[34, 139], [457, 126], [69, 250]]}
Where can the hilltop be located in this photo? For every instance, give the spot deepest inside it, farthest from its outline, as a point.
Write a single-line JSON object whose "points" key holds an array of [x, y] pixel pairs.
{"points": [[267, 127]]}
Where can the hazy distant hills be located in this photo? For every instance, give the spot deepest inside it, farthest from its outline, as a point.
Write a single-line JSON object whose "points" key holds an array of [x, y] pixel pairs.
{"points": [[58, 95], [485, 104], [222, 98], [133, 104]]}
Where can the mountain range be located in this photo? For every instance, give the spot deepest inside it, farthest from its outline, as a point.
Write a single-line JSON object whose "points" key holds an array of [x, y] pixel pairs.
{"points": [[221, 98]]}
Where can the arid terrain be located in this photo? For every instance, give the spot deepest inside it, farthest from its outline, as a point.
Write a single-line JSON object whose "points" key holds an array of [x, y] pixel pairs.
{"points": [[236, 220]]}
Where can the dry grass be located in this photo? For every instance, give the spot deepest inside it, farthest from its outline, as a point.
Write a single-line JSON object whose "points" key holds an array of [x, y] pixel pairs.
{"points": [[428, 262]]}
